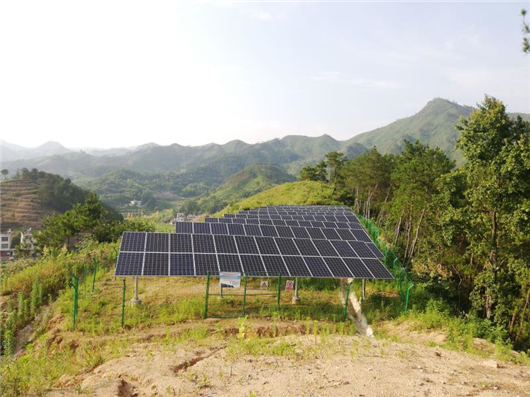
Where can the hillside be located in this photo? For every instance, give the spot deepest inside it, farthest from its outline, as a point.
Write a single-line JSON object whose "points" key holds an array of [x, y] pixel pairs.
{"points": [[27, 199], [20, 205], [302, 192], [251, 180]]}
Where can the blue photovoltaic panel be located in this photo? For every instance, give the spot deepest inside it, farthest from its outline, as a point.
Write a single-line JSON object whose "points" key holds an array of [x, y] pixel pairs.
{"points": [[314, 241], [358, 268], [317, 266], [252, 264], [180, 243], [203, 243], [296, 266], [325, 248], [202, 228], [133, 242], [267, 246], [205, 263], [157, 242], [184, 227], [219, 228], [306, 247], [275, 265], [229, 263], [156, 264], [287, 246], [129, 264], [225, 244], [377, 268], [252, 230], [338, 268], [181, 265], [361, 249], [235, 230], [246, 245]]}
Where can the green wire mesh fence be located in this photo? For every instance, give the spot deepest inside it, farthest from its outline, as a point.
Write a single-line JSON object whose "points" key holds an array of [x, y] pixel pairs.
{"points": [[402, 279]]}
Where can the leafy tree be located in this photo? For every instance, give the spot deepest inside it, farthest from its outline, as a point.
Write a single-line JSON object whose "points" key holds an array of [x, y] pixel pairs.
{"points": [[316, 173], [526, 33], [5, 172], [335, 161]]}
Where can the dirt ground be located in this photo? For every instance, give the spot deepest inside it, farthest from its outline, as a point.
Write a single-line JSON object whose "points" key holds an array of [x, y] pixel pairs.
{"points": [[321, 366]]}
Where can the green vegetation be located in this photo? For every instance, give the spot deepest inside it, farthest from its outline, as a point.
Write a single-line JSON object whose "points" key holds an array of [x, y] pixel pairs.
{"points": [[304, 192], [251, 180]]}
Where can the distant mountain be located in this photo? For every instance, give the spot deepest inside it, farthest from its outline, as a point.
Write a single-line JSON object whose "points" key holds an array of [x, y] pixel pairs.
{"points": [[433, 125], [12, 152], [250, 181]]}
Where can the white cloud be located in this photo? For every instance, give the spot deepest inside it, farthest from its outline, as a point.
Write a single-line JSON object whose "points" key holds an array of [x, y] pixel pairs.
{"points": [[267, 16], [341, 78]]}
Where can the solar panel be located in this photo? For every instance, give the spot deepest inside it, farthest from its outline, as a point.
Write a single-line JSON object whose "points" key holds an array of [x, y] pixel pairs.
{"points": [[287, 246], [225, 244], [317, 266], [203, 243], [296, 266], [246, 245], [357, 268], [252, 264], [267, 246], [205, 263], [338, 268], [298, 241], [129, 264], [133, 241], [275, 265], [183, 227], [229, 263], [181, 265], [306, 247], [377, 268], [180, 243], [156, 264], [219, 228], [325, 248], [157, 242]]}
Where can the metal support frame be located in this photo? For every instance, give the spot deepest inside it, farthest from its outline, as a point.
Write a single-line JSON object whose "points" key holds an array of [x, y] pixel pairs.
{"points": [[123, 305], [205, 315], [245, 297], [279, 291], [135, 300], [75, 286], [363, 297], [345, 311], [296, 298], [96, 263]]}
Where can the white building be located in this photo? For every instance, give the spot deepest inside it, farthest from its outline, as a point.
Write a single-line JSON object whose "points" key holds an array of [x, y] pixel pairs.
{"points": [[27, 239], [6, 240]]}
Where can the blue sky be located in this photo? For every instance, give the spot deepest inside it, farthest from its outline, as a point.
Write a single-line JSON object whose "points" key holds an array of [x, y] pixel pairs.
{"points": [[121, 73]]}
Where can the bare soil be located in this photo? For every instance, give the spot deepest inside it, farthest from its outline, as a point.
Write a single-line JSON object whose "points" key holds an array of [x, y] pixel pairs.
{"points": [[330, 366]]}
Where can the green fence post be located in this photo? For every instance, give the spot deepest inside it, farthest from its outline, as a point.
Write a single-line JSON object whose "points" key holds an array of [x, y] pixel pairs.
{"points": [[345, 312], [95, 271], [123, 305], [245, 297], [407, 298], [279, 291], [75, 285], [205, 315], [85, 278]]}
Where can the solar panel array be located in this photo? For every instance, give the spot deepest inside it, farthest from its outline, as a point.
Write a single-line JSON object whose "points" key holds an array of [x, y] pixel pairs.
{"points": [[322, 242]]}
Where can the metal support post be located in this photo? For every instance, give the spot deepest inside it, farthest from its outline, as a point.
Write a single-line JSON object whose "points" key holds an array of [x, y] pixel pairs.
{"points": [[75, 286], [364, 290], [135, 300], [407, 298], [245, 297], [95, 271], [345, 312], [279, 290], [206, 297], [296, 299], [123, 305]]}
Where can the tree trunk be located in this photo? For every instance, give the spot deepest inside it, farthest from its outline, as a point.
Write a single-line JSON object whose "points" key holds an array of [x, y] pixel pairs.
{"points": [[414, 242], [398, 228], [522, 315]]}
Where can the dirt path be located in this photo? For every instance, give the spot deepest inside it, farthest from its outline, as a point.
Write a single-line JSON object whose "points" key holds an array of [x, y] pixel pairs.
{"points": [[303, 366]]}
